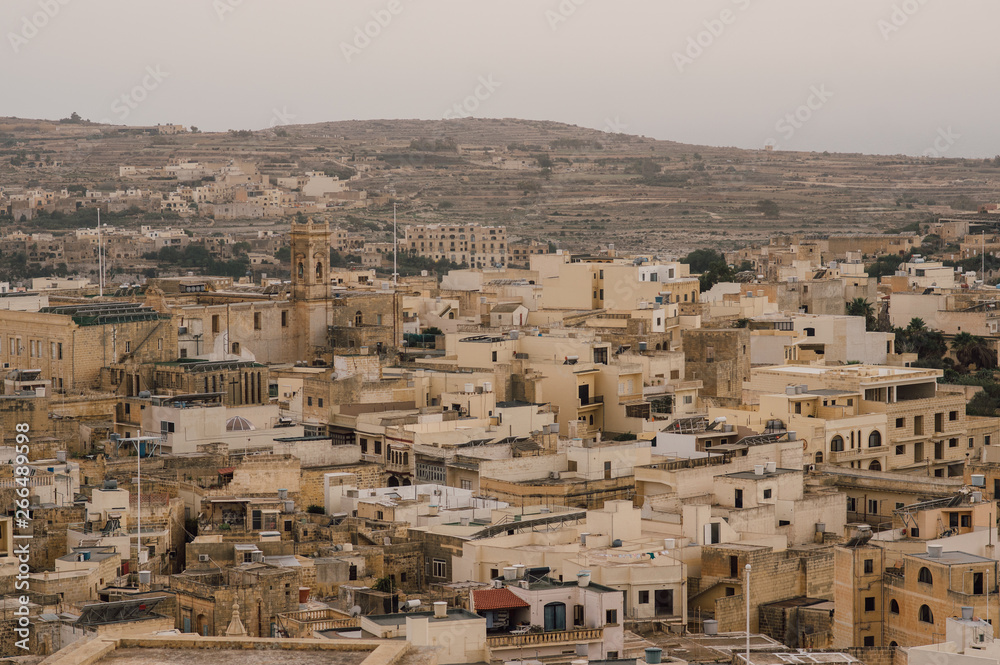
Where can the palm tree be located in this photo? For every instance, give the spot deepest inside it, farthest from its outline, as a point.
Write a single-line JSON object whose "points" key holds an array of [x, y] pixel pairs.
{"points": [[861, 307], [973, 350]]}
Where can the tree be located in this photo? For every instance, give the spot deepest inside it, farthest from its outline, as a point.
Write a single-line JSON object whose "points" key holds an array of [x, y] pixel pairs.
{"points": [[861, 307], [973, 350], [769, 208]]}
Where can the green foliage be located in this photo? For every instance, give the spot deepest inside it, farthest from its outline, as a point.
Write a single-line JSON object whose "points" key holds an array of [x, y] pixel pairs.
{"points": [[861, 307], [886, 265], [314, 509], [974, 350], [929, 345], [741, 322], [433, 330], [769, 209], [196, 256], [383, 584], [438, 145], [284, 253], [713, 267], [645, 167]]}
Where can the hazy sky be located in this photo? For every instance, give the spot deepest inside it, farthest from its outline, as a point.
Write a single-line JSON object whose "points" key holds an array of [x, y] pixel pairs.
{"points": [[876, 76]]}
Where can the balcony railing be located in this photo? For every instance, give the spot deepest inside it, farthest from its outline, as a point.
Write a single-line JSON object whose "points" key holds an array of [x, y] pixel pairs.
{"points": [[593, 400], [549, 638]]}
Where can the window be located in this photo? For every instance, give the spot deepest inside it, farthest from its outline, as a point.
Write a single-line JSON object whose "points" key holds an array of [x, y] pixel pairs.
{"points": [[918, 425], [966, 521], [688, 399], [321, 402], [643, 597], [873, 506], [494, 356], [378, 447], [235, 346], [810, 332], [925, 576], [986, 440], [953, 443], [767, 494], [738, 499], [893, 607], [284, 318], [439, 568], [900, 422], [837, 444], [875, 439], [578, 615], [869, 566], [215, 323], [309, 401], [166, 426], [852, 504], [869, 603], [257, 321], [466, 484], [611, 617], [924, 614], [953, 415], [972, 442], [915, 532], [869, 640], [128, 347], [358, 318]]}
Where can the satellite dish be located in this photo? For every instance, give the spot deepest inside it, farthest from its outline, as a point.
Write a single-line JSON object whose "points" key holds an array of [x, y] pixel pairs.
{"points": [[355, 611]]}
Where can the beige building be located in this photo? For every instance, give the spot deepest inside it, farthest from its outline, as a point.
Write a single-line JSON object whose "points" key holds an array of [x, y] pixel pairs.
{"points": [[471, 244]]}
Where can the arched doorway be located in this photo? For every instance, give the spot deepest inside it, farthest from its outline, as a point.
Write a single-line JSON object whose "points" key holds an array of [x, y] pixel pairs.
{"points": [[875, 466], [202, 623], [393, 482], [406, 482]]}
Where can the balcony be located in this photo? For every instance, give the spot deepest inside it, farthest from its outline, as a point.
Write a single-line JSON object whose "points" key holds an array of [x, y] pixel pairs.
{"points": [[552, 638], [591, 402], [860, 453]]}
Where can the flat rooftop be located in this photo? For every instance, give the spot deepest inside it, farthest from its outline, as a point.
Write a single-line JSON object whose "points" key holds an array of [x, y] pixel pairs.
{"points": [[454, 614], [750, 475], [953, 558], [167, 656]]}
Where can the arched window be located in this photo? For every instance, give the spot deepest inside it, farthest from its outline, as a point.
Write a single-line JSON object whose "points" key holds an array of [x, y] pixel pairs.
{"points": [[875, 466], [319, 270], [819, 458], [554, 616], [893, 607], [810, 332], [358, 318], [925, 614], [837, 444], [301, 270], [591, 419], [893, 644], [875, 439], [925, 576]]}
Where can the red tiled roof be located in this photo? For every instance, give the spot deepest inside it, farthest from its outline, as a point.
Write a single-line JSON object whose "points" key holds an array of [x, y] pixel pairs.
{"points": [[496, 599]]}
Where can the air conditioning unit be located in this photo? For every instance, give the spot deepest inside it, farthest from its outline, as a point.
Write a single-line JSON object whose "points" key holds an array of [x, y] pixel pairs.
{"points": [[203, 558]]}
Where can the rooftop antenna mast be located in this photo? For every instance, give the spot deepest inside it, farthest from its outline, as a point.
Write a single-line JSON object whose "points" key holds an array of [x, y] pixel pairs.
{"points": [[395, 243]]}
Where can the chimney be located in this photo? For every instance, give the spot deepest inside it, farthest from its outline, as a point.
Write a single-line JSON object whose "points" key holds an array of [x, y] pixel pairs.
{"points": [[440, 610]]}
